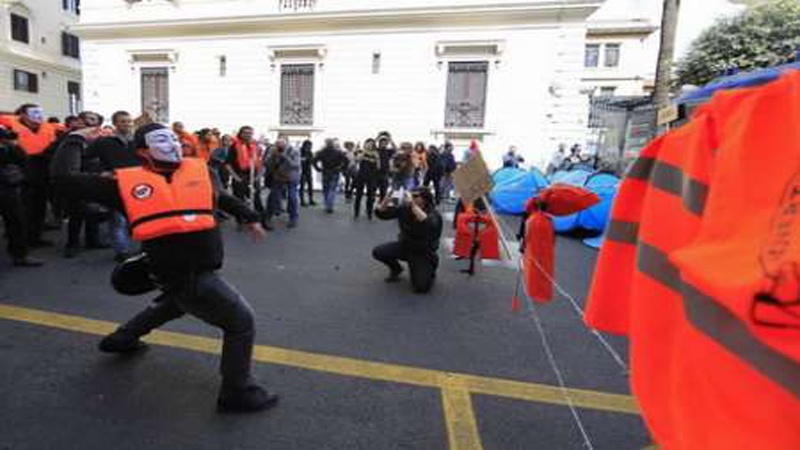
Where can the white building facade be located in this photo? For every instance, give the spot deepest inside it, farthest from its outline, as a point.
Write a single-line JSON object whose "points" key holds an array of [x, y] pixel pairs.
{"points": [[621, 49], [40, 55], [502, 72]]}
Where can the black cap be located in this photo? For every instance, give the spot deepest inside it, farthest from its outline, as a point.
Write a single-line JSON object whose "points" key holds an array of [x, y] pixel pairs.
{"points": [[141, 132]]}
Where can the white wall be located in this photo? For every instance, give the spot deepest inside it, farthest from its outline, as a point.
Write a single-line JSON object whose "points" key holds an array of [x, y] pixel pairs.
{"points": [[407, 97], [42, 55]]}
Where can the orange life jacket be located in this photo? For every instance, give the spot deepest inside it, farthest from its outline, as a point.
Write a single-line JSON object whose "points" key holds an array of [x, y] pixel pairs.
{"points": [[681, 269], [488, 237], [247, 154], [34, 143], [189, 144], [156, 207]]}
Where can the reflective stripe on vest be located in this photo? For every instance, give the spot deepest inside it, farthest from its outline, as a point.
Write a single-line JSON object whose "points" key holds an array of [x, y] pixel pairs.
{"points": [[247, 155], [157, 208]]}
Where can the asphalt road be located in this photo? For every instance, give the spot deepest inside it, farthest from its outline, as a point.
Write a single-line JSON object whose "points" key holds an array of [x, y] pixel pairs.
{"points": [[314, 289]]}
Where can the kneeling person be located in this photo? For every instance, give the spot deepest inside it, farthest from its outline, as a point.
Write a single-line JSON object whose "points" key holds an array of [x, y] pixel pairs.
{"points": [[170, 204], [420, 231]]}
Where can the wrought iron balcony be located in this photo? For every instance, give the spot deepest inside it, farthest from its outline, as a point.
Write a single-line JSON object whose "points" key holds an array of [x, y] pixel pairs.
{"points": [[296, 5]]}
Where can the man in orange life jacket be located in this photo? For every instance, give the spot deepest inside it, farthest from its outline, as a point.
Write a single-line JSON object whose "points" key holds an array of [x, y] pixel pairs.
{"points": [[35, 136], [245, 159], [170, 203]]}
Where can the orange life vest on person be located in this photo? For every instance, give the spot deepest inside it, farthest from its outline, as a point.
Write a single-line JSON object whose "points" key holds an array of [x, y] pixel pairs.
{"points": [[247, 153], [34, 143], [156, 207], [488, 237], [682, 268], [189, 144]]}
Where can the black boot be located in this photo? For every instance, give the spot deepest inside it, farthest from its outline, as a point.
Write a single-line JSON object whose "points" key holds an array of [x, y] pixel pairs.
{"points": [[118, 342], [250, 398], [394, 276]]}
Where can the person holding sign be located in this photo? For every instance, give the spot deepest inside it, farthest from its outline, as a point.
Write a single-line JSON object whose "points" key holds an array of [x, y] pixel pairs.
{"points": [[418, 243]]}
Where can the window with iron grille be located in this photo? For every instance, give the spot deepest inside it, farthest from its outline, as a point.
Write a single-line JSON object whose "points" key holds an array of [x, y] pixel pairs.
{"points": [[74, 93], [466, 94], [155, 92], [19, 28], [297, 94], [73, 6], [591, 55], [70, 45], [26, 81], [611, 55]]}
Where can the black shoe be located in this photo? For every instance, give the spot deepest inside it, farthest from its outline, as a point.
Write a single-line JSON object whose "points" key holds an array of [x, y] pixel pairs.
{"points": [[51, 226], [329, 211], [250, 398], [292, 224], [96, 246], [70, 251], [394, 276], [267, 224], [303, 204], [122, 257], [27, 261], [312, 203], [117, 342]]}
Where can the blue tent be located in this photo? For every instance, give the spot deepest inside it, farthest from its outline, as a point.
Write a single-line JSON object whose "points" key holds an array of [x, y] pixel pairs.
{"points": [[605, 185], [507, 173], [575, 178], [509, 196], [740, 80]]}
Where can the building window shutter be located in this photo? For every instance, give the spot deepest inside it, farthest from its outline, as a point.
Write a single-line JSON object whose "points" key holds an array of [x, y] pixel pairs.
{"points": [[466, 94], [612, 55], [74, 93], [70, 45], [19, 28], [297, 94], [591, 56], [26, 81], [155, 93]]}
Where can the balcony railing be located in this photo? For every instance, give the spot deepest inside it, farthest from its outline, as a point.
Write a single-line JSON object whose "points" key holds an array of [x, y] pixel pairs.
{"points": [[296, 5]]}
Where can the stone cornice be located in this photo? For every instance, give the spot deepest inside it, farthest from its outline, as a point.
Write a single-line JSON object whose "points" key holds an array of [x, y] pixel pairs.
{"points": [[394, 19]]}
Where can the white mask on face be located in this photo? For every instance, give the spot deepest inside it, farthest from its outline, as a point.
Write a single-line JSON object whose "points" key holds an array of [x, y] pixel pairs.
{"points": [[35, 115], [163, 145]]}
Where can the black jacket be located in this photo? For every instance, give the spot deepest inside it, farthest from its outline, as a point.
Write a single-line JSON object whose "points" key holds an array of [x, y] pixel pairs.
{"points": [[330, 160], [175, 257], [13, 161], [113, 153], [417, 236]]}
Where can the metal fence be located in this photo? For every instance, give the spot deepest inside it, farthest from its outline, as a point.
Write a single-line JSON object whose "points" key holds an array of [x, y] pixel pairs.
{"points": [[619, 127]]}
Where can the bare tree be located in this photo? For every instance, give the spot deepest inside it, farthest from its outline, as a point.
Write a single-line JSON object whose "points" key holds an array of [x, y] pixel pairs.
{"points": [[669, 25]]}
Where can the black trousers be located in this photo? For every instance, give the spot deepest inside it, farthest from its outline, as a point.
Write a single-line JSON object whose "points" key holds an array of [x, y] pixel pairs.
{"points": [[368, 184], [306, 182], [214, 301], [422, 265], [13, 214], [383, 184], [79, 220], [437, 185], [36, 194], [241, 190]]}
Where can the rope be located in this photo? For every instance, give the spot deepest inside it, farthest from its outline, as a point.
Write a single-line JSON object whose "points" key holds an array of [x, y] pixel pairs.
{"points": [[575, 306]]}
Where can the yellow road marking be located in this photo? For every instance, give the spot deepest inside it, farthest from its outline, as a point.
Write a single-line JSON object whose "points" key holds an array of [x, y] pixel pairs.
{"points": [[462, 428], [395, 373]]}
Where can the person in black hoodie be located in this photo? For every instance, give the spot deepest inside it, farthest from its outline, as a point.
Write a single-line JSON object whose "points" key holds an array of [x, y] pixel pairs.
{"points": [[386, 150], [331, 161], [184, 249], [368, 162], [306, 175], [418, 243], [12, 178]]}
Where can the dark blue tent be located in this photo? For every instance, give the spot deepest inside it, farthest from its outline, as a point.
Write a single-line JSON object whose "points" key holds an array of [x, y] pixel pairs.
{"points": [[575, 178], [605, 185], [507, 173], [740, 80], [509, 196]]}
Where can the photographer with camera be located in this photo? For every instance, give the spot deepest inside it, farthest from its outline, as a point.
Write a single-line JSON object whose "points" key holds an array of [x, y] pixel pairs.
{"points": [[12, 179], [283, 173], [418, 242]]}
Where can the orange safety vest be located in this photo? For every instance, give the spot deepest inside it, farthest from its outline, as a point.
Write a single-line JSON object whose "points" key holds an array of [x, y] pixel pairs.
{"points": [[189, 144], [488, 237], [156, 207], [34, 143], [245, 153], [680, 271]]}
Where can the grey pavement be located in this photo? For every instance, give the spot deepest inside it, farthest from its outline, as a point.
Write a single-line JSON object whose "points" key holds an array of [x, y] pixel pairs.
{"points": [[314, 288]]}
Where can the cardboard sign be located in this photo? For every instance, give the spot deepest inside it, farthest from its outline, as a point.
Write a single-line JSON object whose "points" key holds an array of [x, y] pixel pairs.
{"points": [[667, 115], [472, 180]]}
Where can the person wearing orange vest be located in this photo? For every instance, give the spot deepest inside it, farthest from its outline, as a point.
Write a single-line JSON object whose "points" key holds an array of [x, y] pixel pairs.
{"points": [[189, 142], [245, 163], [170, 203], [34, 136], [699, 269]]}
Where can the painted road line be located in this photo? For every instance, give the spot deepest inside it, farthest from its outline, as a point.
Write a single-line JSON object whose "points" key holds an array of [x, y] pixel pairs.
{"points": [[394, 373], [459, 415]]}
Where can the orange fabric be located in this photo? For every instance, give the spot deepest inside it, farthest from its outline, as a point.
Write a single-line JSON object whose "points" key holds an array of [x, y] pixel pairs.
{"points": [[34, 143], [681, 283], [157, 208], [204, 149], [190, 144], [245, 153], [539, 259], [488, 237]]}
